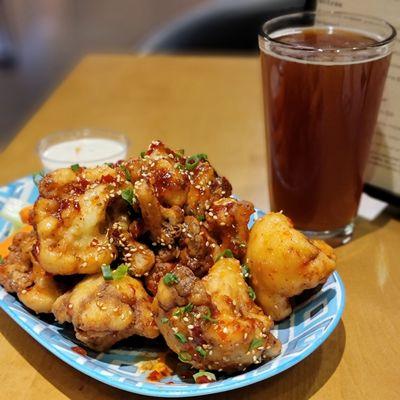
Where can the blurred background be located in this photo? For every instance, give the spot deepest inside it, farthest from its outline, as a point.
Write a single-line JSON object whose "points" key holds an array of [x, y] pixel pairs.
{"points": [[41, 40]]}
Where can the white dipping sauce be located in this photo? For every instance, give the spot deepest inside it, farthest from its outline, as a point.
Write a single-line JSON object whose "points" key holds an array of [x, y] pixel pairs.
{"points": [[87, 152]]}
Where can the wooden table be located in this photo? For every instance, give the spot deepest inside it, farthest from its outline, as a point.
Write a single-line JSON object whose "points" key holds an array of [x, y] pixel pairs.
{"points": [[212, 105]]}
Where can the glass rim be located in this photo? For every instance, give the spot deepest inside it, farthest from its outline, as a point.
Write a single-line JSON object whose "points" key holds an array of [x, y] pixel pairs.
{"points": [[82, 133], [387, 40]]}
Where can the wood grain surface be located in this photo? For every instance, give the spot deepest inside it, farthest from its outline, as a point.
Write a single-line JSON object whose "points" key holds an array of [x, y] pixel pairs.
{"points": [[211, 105]]}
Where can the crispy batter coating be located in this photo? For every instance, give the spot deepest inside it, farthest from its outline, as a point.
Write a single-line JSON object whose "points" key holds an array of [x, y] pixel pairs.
{"points": [[283, 263], [206, 187], [20, 273], [123, 234], [213, 323], [105, 312], [70, 216], [16, 271], [227, 221]]}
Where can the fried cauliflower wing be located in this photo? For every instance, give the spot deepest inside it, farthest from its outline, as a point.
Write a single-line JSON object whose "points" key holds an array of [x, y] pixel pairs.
{"points": [[283, 263], [227, 220], [169, 181], [70, 218], [123, 234], [20, 273], [212, 323], [105, 312], [206, 187], [161, 222]]}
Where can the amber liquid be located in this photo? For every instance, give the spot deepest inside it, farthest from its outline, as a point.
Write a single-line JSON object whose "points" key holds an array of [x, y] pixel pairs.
{"points": [[320, 118]]}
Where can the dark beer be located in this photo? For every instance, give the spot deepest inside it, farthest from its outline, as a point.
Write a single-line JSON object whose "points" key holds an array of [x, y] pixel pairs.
{"points": [[320, 118]]}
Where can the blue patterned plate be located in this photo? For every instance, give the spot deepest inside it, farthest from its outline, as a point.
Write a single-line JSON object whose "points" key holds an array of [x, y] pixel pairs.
{"points": [[309, 325]]}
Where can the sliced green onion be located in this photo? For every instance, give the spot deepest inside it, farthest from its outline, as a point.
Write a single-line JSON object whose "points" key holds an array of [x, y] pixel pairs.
{"points": [[126, 172], [255, 344], [227, 253], [207, 377], [188, 308], [207, 316], [193, 161], [117, 274], [201, 218], [109, 164], [252, 293], [75, 167], [180, 152], [38, 177], [142, 154], [177, 312], [164, 320], [1, 259], [181, 337], [128, 195], [245, 270], [120, 272], [107, 273], [184, 356], [170, 279], [201, 351]]}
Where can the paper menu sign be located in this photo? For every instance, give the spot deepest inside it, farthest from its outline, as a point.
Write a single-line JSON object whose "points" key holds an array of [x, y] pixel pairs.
{"points": [[384, 163]]}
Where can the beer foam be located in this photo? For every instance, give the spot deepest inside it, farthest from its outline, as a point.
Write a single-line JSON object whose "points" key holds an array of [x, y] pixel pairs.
{"points": [[323, 56]]}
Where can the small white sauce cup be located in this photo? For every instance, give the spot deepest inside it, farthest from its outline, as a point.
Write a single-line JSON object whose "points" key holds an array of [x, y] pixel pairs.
{"points": [[87, 147]]}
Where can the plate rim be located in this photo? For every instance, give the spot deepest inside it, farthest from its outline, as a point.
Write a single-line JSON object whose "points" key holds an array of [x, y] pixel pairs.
{"points": [[156, 391]]}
